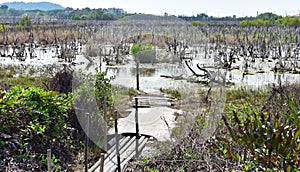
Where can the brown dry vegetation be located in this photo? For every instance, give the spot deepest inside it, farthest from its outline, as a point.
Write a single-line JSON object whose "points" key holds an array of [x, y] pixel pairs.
{"points": [[220, 152]]}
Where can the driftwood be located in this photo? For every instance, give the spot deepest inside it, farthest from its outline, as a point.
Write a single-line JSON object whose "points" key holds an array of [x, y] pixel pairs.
{"points": [[194, 73]]}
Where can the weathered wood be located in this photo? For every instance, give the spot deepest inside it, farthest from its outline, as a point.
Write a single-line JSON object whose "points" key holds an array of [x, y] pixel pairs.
{"points": [[49, 159], [87, 142], [137, 61], [152, 100], [127, 152], [137, 133], [117, 142], [102, 162]]}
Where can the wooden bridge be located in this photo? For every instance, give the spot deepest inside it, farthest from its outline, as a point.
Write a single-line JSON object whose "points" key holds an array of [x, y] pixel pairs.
{"points": [[150, 119], [129, 147]]}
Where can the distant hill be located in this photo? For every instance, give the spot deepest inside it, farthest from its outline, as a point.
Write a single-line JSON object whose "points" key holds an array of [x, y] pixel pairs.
{"points": [[44, 6]]}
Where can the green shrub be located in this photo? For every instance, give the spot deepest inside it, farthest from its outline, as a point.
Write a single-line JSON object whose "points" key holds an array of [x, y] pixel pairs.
{"points": [[257, 22], [2, 28], [140, 47], [94, 88], [291, 21], [47, 110], [37, 120], [25, 21], [103, 89], [196, 23], [263, 138]]}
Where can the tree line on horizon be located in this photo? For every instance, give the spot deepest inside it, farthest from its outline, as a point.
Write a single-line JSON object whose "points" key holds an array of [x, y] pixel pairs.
{"points": [[67, 13], [263, 19]]}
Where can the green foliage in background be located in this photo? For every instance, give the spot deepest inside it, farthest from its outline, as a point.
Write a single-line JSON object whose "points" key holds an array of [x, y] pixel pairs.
{"points": [[25, 21], [196, 23], [291, 21], [140, 47], [268, 16], [256, 22], [270, 19], [2, 28]]}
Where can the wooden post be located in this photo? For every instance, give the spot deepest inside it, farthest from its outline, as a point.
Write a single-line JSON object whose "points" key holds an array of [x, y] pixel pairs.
{"points": [[117, 141], [105, 136], [137, 61], [137, 132], [102, 163], [136, 147], [49, 159], [100, 65], [87, 141], [105, 118]]}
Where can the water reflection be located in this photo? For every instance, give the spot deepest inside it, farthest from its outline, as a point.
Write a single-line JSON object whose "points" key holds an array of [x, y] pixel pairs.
{"points": [[150, 74]]}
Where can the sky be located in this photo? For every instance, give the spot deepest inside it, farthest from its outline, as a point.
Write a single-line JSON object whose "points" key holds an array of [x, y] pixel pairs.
{"points": [[217, 8]]}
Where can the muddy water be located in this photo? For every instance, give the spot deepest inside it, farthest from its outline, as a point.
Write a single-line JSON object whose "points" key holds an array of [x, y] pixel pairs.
{"points": [[150, 75], [126, 77]]}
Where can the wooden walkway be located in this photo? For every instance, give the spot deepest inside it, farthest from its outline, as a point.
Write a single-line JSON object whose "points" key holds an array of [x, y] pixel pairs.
{"points": [[155, 119], [129, 147]]}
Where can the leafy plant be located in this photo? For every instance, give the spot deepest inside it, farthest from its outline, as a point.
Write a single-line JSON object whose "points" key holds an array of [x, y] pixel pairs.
{"points": [[36, 119], [196, 23], [267, 138], [140, 47], [2, 28], [95, 88], [25, 21], [103, 89], [291, 21]]}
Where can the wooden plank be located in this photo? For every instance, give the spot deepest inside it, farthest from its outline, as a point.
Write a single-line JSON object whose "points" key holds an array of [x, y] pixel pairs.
{"points": [[111, 160], [154, 97], [126, 155], [113, 147], [127, 152], [141, 146]]}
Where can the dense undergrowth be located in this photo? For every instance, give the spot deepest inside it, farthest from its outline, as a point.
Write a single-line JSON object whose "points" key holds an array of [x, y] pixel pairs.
{"points": [[267, 136], [259, 131], [32, 121]]}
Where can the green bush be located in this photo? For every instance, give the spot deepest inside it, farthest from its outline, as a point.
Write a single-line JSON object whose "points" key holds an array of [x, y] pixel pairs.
{"points": [[2, 28], [291, 21], [37, 120], [269, 19], [103, 89], [25, 21], [94, 88], [140, 47], [257, 22], [196, 23], [268, 16]]}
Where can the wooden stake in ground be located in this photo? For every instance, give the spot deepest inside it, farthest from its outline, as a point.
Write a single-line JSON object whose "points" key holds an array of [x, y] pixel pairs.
{"points": [[49, 159], [117, 142], [137, 73], [87, 141]]}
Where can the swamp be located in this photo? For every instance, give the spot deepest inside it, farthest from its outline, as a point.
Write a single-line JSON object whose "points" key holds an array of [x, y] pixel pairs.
{"points": [[233, 90]]}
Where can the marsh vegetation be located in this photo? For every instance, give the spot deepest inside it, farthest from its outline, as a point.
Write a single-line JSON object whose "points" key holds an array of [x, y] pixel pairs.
{"points": [[257, 129]]}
